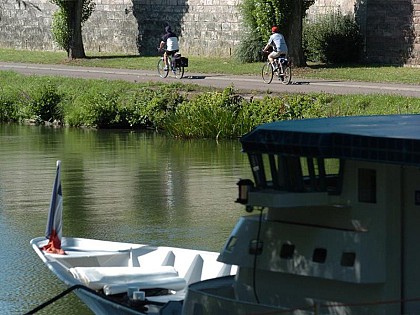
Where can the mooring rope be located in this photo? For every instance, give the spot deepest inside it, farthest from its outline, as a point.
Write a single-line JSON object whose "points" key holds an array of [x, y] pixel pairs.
{"points": [[81, 287], [59, 296]]}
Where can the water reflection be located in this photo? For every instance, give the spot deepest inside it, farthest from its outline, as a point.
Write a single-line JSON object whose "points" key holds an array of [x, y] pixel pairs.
{"points": [[117, 185]]}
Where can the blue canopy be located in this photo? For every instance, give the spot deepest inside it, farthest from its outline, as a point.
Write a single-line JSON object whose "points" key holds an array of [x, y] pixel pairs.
{"points": [[387, 138]]}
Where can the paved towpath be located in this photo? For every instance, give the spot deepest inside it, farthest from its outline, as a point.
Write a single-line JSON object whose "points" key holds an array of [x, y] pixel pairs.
{"points": [[252, 84]]}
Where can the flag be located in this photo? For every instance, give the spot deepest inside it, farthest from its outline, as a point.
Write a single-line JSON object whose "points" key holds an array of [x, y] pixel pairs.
{"points": [[54, 229]]}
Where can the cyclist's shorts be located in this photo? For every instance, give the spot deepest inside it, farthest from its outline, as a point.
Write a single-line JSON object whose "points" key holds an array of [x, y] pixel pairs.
{"points": [[277, 54], [172, 52]]}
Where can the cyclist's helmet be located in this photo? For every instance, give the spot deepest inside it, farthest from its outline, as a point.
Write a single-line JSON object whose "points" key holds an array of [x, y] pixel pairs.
{"points": [[274, 29]]}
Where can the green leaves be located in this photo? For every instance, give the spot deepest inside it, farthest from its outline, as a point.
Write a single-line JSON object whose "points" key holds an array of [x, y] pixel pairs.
{"points": [[60, 29], [180, 110], [334, 38], [60, 21], [258, 18], [207, 115]]}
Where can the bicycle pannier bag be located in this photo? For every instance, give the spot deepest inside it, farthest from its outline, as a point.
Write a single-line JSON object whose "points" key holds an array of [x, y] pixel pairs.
{"points": [[184, 62]]}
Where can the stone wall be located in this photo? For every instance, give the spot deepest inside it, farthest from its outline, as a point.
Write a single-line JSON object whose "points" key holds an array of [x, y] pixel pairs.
{"points": [[206, 27], [391, 28], [392, 33], [26, 24], [322, 7], [415, 60]]}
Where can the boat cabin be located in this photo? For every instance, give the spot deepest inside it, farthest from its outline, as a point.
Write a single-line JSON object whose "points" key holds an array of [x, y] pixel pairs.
{"points": [[334, 221]]}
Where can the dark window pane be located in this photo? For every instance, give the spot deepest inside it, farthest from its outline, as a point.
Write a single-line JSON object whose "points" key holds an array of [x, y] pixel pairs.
{"points": [[348, 259], [287, 251], [319, 255], [367, 185]]}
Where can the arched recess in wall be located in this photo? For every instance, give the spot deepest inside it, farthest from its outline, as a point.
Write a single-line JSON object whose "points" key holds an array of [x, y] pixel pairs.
{"points": [[152, 16], [388, 30]]}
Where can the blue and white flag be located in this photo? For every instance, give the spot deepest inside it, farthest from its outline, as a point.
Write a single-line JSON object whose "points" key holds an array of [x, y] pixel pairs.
{"points": [[54, 228]]}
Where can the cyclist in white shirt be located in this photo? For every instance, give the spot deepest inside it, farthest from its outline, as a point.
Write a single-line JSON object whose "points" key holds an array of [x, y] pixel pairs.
{"points": [[170, 40], [278, 43]]}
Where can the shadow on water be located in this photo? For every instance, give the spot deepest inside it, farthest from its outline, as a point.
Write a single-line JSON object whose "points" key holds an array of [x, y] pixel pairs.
{"points": [[152, 18]]}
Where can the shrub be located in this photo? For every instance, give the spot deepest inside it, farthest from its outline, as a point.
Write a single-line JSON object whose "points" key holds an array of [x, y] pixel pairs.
{"points": [[208, 115], [334, 38], [100, 110], [122, 107], [8, 108], [249, 49], [148, 108], [60, 30], [293, 106], [42, 103], [227, 115]]}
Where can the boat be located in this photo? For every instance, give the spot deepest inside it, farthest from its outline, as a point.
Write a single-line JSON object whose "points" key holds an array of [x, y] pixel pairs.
{"points": [[117, 277], [331, 224]]}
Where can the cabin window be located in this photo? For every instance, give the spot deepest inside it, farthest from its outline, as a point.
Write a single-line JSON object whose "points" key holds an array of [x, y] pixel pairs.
{"points": [[319, 255], [296, 174], [231, 244], [367, 185], [348, 259], [287, 251]]}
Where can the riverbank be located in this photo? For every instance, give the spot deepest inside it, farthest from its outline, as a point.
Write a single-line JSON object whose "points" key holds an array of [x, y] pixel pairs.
{"points": [[180, 110]]}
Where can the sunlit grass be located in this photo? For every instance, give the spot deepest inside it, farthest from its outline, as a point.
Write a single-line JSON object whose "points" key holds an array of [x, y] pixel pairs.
{"points": [[226, 66]]}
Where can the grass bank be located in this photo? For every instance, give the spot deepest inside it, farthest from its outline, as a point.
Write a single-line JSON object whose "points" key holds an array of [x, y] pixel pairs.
{"points": [[197, 64], [177, 109]]}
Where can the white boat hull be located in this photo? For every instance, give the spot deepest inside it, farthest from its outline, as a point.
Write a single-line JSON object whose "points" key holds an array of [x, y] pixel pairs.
{"points": [[105, 271]]}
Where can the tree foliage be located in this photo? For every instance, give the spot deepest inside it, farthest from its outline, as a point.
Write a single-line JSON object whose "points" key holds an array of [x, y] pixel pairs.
{"points": [[259, 16], [65, 22]]}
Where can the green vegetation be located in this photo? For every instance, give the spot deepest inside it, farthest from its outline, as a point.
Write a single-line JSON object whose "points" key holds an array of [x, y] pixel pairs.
{"points": [[258, 18], [67, 24], [183, 110], [180, 110], [364, 73], [60, 29], [333, 38]]}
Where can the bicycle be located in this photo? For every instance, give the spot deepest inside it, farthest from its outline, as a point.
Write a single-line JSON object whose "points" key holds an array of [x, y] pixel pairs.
{"points": [[282, 68], [176, 64]]}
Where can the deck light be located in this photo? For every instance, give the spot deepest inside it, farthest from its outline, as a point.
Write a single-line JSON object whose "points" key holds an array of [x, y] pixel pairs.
{"points": [[244, 185]]}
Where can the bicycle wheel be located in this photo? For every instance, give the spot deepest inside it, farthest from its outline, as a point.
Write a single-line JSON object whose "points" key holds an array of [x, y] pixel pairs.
{"points": [[161, 69], [179, 72], [286, 78], [267, 73]]}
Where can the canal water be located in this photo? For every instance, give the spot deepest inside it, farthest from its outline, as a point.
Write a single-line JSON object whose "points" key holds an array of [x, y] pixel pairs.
{"points": [[125, 186]]}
